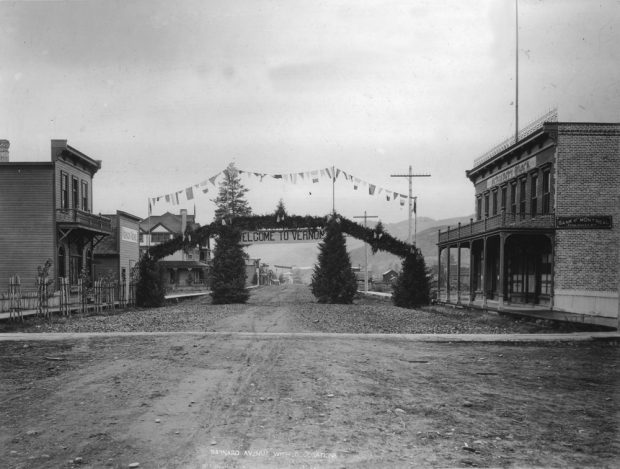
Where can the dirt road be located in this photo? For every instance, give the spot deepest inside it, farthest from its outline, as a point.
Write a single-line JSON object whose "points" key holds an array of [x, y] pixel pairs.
{"points": [[192, 401]]}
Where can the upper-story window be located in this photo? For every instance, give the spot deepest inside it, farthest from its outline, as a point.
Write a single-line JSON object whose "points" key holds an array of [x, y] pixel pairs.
{"points": [[494, 202], [503, 198], [534, 194], [160, 237], [64, 190], [486, 205], [513, 197], [85, 206], [546, 192], [75, 192], [479, 208], [522, 197]]}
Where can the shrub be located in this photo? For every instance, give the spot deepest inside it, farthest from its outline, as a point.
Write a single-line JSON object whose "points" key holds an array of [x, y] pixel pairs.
{"points": [[412, 288]]}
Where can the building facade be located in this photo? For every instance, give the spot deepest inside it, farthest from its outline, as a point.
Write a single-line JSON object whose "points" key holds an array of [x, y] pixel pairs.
{"points": [[545, 238], [46, 210], [183, 268], [118, 254]]}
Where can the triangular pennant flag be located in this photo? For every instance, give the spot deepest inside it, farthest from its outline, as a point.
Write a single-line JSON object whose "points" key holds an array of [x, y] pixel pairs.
{"points": [[315, 180], [402, 202], [277, 176], [205, 190], [337, 173], [189, 192], [371, 189], [329, 173], [168, 198], [212, 179]]}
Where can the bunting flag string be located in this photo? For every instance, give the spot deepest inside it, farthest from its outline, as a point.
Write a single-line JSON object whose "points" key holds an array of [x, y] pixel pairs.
{"points": [[313, 177]]}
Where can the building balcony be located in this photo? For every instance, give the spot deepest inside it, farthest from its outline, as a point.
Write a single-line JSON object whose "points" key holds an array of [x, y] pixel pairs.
{"points": [[502, 221], [74, 218]]}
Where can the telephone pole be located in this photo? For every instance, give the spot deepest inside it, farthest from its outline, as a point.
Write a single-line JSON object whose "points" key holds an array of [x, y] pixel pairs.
{"points": [[365, 217], [410, 176]]}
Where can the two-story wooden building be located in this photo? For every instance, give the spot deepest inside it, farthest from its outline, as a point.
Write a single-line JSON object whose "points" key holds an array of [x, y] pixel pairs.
{"points": [[183, 268], [46, 212], [544, 241]]}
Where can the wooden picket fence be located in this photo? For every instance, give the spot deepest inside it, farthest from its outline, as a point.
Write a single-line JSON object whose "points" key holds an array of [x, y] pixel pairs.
{"points": [[102, 297]]}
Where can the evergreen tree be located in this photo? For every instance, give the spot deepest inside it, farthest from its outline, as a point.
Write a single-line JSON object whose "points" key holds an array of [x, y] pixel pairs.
{"points": [[281, 212], [412, 288], [231, 200], [228, 281], [333, 280], [150, 290]]}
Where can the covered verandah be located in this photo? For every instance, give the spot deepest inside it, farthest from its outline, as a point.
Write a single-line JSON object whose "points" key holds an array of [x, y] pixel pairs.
{"points": [[506, 269]]}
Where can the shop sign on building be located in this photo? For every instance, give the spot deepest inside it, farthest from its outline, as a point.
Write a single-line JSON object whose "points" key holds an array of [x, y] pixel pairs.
{"points": [[127, 234], [511, 173], [304, 235], [584, 222]]}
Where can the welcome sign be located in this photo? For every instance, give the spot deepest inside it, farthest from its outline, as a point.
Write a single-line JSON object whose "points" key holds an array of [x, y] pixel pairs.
{"points": [[302, 235]]}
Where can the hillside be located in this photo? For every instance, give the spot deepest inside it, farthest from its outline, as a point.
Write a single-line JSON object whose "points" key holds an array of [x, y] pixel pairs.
{"points": [[426, 240]]}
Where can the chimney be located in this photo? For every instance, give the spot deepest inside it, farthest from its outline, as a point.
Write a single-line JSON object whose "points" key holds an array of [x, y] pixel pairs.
{"points": [[4, 151], [183, 220], [58, 146]]}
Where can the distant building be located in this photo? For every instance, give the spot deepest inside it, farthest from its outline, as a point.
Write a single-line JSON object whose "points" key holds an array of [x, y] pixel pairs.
{"points": [[182, 268], [46, 212], [544, 241], [117, 255], [389, 276]]}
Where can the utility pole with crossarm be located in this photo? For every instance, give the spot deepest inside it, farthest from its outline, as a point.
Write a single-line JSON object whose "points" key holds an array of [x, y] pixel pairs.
{"points": [[366, 217], [410, 176]]}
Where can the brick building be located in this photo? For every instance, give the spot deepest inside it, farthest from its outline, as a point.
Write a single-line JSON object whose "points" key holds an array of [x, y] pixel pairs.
{"points": [[543, 242], [46, 212]]}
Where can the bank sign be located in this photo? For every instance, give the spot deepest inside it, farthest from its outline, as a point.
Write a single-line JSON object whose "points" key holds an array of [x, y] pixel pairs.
{"points": [[302, 235]]}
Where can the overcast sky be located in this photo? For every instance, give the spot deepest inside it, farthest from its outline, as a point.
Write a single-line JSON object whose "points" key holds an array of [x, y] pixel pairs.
{"points": [[167, 93]]}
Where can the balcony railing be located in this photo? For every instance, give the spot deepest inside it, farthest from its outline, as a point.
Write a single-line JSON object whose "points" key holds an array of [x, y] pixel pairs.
{"points": [[84, 219], [500, 221]]}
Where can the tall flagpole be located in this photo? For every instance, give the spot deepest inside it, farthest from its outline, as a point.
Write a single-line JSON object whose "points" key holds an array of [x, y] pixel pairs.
{"points": [[333, 189], [517, 71]]}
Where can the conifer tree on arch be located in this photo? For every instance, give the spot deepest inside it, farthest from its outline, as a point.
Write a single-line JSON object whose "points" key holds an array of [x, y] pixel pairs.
{"points": [[333, 280]]}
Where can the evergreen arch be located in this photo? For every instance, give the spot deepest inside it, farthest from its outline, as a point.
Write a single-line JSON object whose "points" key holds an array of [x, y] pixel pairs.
{"points": [[377, 239]]}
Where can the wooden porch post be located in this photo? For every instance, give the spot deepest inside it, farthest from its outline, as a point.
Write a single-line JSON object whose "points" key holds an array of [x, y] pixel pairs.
{"points": [[471, 273], [448, 274], [484, 272], [438, 273], [502, 242], [458, 273]]}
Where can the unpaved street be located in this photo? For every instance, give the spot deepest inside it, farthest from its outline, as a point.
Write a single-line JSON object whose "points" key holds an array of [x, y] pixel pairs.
{"points": [[224, 400]]}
